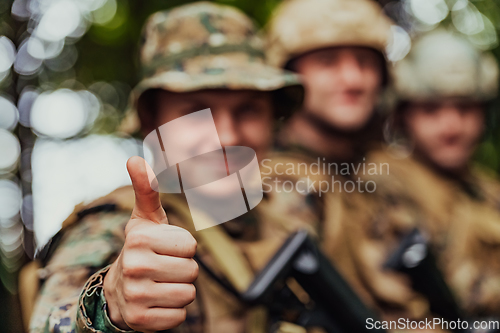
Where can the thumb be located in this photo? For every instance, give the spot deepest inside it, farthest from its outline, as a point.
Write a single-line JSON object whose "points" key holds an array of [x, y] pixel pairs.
{"points": [[147, 201]]}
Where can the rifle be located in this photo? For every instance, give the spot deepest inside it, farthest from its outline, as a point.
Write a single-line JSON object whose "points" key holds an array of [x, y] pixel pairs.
{"points": [[334, 307], [414, 258]]}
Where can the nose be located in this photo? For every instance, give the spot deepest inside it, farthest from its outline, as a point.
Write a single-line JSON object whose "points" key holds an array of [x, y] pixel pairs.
{"points": [[227, 128], [350, 71], [451, 119]]}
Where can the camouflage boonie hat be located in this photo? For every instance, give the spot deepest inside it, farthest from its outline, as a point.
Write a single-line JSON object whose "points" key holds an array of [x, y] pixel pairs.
{"points": [[208, 46]]}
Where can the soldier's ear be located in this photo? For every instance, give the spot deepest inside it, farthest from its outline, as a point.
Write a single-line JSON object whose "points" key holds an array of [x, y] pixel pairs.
{"points": [[147, 109]]}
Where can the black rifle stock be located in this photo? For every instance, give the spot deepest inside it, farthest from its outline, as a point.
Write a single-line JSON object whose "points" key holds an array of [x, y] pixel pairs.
{"points": [[336, 307], [414, 258]]}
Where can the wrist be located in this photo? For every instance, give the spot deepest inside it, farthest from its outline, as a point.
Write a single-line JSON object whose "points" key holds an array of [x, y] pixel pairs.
{"points": [[112, 308]]}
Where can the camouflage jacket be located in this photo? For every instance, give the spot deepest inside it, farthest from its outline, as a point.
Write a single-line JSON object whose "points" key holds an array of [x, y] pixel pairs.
{"points": [[71, 297], [461, 218]]}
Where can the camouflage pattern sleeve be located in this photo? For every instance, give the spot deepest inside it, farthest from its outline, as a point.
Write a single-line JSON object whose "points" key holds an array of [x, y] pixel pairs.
{"points": [[91, 314], [85, 248]]}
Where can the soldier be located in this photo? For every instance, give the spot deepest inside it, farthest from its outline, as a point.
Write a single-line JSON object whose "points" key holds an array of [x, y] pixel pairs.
{"points": [[443, 87], [135, 266], [338, 48]]}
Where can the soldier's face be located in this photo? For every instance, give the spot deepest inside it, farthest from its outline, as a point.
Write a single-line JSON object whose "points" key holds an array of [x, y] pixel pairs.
{"points": [[445, 132], [242, 118], [342, 84]]}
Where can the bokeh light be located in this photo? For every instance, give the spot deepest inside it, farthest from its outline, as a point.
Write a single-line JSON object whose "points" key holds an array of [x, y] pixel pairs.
{"points": [[66, 173], [25, 103], [63, 113], [487, 38], [468, 20], [9, 116], [27, 212], [7, 56], [400, 44], [25, 63], [10, 151], [11, 240], [41, 49], [61, 19], [10, 199], [430, 12], [64, 61], [106, 13]]}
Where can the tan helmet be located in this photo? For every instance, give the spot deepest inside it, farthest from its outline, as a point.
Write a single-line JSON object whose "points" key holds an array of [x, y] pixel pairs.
{"points": [[445, 64], [300, 26], [204, 45]]}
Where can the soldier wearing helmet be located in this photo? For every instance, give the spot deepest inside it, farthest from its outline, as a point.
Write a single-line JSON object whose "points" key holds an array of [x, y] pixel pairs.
{"points": [[338, 48], [134, 264], [443, 88]]}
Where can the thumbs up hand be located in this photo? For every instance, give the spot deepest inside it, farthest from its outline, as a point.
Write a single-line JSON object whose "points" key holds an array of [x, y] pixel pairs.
{"points": [[151, 281]]}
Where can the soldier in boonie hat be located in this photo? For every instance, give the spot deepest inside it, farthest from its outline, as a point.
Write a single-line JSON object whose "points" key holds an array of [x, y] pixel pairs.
{"points": [[118, 265], [207, 46]]}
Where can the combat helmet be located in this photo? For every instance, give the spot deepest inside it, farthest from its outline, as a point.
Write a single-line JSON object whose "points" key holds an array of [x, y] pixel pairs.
{"points": [[445, 64], [207, 46], [301, 26]]}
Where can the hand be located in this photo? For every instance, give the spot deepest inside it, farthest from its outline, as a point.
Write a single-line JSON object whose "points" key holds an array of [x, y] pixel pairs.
{"points": [[151, 281]]}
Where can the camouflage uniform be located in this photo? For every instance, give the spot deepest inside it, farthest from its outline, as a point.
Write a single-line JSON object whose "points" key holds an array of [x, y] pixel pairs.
{"points": [[460, 216], [301, 26], [193, 47], [62, 299]]}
